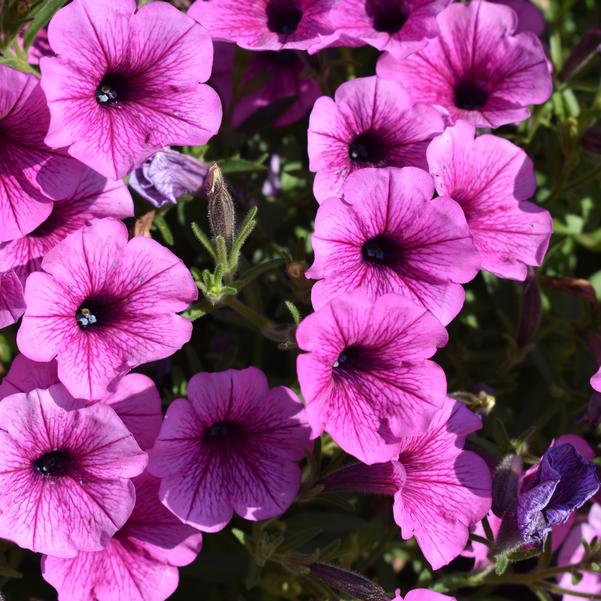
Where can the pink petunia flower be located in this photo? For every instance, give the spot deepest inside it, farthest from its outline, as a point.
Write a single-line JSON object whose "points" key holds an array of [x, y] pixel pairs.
{"points": [[422, 594], [94, 197], [126, 82], [492, 179], [103, 305], [285, 81], [135, 400], [31, 174], [65, 472], [139, 563], [478, 68], [366, 377], [400, 27], [440, 491], [232, 446], [390, 236], [370, 122], [572, 552], [12, 303], [529, 17], [266, 24]]}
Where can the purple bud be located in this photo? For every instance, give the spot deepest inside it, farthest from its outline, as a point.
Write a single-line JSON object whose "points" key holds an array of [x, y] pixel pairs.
{"points": [[505, 484], [592, 415], [379, 478], [591, 140], [563, 482], [167, 175], [531, 310], [587, 46], [222, 214], [348, 582]]}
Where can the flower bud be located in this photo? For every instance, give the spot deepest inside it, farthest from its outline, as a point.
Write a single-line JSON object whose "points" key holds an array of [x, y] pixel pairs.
{"points": [[166, 175], [222, 214], [531, 310], [587, 46], [378, 478], [348, 582], [505, 484], [591, 140]]}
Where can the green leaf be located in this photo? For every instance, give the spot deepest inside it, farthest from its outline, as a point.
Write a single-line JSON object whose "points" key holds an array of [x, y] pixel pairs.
{"points": [[42, 16], [293, 311], [161, 224], [237, 165], [502, 564]]}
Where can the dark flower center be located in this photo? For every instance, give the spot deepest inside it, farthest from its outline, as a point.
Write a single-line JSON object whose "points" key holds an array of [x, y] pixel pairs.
{"points": [[53, 464], [355, 359], [221, 430], [283, 16], [366, 148], [470, 95], [386, 15], [380, 251], [89, 314], [112, 89]]}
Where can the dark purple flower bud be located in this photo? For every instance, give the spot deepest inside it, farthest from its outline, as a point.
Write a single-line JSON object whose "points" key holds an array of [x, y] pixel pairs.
{"points": [[348, 582], [592, 415], [591, 140], [531, 309], [587, 46], [222, 213], [505, 484], [563, 482], [378, 478], [167, 175]]}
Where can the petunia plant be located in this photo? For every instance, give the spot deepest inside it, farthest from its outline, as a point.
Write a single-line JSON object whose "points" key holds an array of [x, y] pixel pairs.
{"points": [[299, 300]]}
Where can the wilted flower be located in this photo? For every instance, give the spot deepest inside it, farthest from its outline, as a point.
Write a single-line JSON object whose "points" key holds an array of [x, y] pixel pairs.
{"points": [[388, 235], [563, 482], [492, 179], [65, 472], [126, 82], [12, 303], [588, 45], [366, 377], [232, 446], [370, 122], [440, 491], [478, 68], [266, 24], [167, 175], [139, 562], [33, 175], [400, 27], [93, 198], [103, 305]]}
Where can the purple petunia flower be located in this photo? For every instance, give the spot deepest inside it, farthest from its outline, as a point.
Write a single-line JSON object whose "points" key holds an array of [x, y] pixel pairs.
{"points": [[166, 175], [94, 197], [126, 82], [529, 17], [232, 446], [400, 27], [478, 68], [370, 122], [366, 378], [390, 236], [266, 24], [492, 179], [12, 303], [564, 481], [103, 305], [139, 563], [284, 71], [65, 472], [32, 175], [422, 594], [440, 491], [25, 375]]}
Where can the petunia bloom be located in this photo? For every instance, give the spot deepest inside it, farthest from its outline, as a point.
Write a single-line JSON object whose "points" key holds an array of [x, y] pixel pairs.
{"points": [[492, 179], [285, 81], [12, 303], [103, 305], [572, 552], [366, 377], [33, 175], [388, 235], [166, 175], [478, 68], [126, 82], [94, 197], [440, 491], [529, 17], [232, 446], [25, 375], [65, 472], [266, 24], [422, 594], [139, 563], [400, 27], [370, 122], [564, 481]]}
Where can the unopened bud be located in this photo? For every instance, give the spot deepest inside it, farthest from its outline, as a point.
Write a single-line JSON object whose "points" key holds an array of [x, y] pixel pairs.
{"points": [[505, 484], [591, 140], [531, 309], [222, 214], [588, 45], [348, 582]]}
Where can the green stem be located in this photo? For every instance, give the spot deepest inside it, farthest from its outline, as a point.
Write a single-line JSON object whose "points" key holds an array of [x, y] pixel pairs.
{"points": [[566, 591], [245, 311]]}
